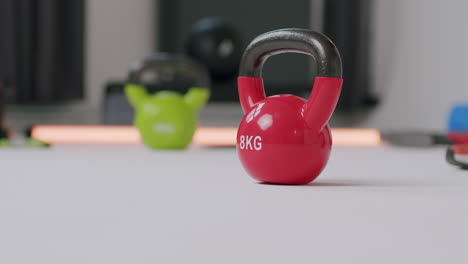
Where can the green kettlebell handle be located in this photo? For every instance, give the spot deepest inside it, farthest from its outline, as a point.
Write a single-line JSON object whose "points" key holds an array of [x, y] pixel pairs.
{"points": [[196, 97], [175, 62]]}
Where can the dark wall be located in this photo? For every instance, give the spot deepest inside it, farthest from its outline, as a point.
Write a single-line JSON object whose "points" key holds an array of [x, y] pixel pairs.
{"points": [[42, 49]]}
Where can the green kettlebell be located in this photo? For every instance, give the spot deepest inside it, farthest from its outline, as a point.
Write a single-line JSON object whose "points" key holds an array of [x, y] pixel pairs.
{"points": [[167, 119]]}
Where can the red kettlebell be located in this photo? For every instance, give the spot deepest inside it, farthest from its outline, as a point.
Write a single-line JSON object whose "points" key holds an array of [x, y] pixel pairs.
{"points": [[285, 139]]}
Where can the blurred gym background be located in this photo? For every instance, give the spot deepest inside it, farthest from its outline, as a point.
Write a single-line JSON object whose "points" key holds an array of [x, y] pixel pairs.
{"points": [[65, 62]]}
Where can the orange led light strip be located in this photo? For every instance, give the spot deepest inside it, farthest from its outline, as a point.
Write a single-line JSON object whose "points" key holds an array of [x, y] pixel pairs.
{"points": [[204, 136]]}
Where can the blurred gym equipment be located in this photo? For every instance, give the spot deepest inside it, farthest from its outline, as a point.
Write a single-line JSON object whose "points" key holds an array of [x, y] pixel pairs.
{"points": [[348, 23], [216, 44]]}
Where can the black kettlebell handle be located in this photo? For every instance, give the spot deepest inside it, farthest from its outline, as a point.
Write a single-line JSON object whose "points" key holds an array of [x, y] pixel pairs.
{"points": [[184, 65], [317, 45]]}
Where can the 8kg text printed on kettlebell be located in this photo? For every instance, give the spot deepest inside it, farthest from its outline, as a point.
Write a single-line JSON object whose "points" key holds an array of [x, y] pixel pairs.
{"points": [[250, 142]]}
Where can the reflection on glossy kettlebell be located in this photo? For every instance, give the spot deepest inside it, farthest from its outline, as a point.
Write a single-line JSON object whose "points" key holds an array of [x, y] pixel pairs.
{"points": [[167, 119], [285, 139]]}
